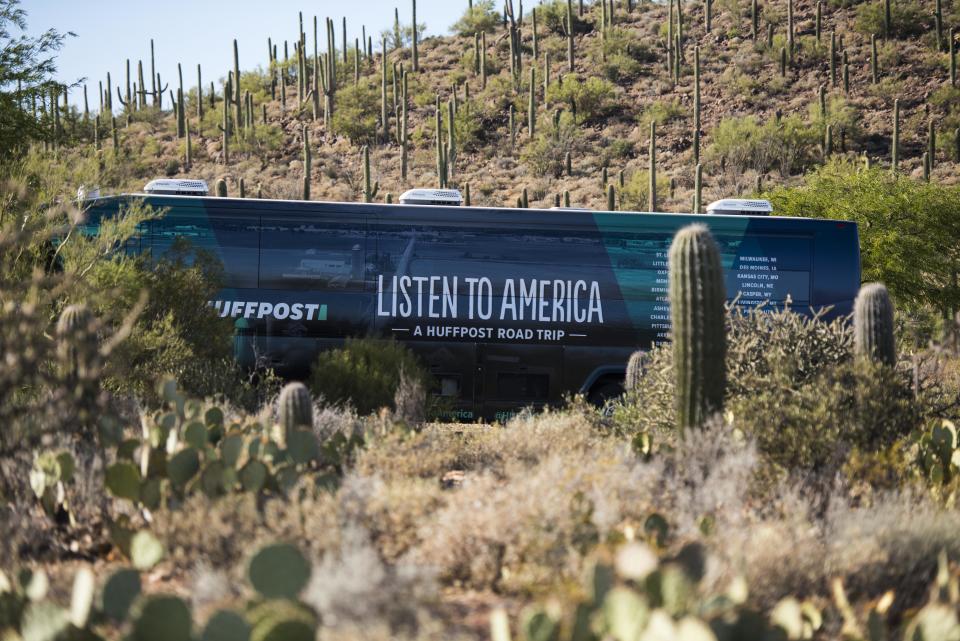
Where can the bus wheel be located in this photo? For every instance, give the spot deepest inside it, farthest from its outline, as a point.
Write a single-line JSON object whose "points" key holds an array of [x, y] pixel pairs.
{"points": [[605, 391]]}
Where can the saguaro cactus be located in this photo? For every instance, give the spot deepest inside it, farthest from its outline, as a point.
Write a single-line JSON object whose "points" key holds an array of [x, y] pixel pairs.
{"points": [[416, 56], [652, 203], [306, 163], [635, 367], [873, 336], [295, 408], [895, 144], [370, 189], [697, 297], [221, 188]]}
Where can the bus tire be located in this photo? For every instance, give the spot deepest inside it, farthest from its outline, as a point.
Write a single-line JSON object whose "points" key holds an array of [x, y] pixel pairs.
{"points": [[606, 390]]}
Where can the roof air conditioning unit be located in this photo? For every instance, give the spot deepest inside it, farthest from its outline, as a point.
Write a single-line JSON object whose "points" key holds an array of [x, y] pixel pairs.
{"points": [[740, 207], [443, 197], [174, 187]]}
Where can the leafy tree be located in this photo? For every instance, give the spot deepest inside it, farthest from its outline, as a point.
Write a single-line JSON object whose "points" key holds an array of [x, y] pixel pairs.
{"points": [[27, 66], [908, 229]]}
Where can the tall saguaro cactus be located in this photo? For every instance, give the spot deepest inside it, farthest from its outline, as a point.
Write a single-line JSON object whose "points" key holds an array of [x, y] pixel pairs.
{"points": [[697, 297], [873, 336], [652, 203], [416, 56], [895, 143], [306, 163]]}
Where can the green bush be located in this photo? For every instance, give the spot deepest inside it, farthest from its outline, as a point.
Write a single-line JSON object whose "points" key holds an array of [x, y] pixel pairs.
{"points": [[907, 18], [546, 153], [590, 99], [482, 17], [841, 115], [365, 373], [620, 55], [355, 112], [907, 227], [794, 387], [743, 143], [635, 195], [662, 112]]}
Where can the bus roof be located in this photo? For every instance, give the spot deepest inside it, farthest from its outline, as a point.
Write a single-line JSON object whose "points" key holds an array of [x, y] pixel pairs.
{"points": [[298, 206]]}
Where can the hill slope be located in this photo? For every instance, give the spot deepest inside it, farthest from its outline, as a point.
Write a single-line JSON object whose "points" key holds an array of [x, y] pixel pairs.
{"points": [[757, 120]]}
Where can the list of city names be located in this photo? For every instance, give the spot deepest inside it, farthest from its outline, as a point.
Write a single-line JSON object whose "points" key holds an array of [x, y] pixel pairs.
{"points": [[756, 269]]}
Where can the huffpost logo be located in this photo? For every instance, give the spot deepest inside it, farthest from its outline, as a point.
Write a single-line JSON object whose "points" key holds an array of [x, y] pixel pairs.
{"points": [[275, 311]]}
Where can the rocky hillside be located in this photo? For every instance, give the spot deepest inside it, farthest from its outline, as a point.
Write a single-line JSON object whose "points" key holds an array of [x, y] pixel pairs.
{"points": [[782, 86]]}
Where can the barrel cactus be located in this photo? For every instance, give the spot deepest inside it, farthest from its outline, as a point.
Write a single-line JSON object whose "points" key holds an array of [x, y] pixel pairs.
{"points": [[221, 188], [697, 314], [635, 370], [873, 325], [296, 408]]}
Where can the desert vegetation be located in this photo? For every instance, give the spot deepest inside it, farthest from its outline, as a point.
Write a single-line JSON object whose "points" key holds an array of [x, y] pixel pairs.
{"points": [[768, 473]]}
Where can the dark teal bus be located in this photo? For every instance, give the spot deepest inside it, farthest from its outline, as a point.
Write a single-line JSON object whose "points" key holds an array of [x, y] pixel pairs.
{"points": [[508, 308]]}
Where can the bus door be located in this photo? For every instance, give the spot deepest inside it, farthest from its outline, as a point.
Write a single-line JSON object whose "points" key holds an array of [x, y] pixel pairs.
{"points": [[513, 377]]}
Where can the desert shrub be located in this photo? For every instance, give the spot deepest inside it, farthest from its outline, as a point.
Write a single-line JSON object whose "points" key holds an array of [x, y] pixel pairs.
{"points": [[546, 153], [743, 143], [177, 333], [620, 55], [553, 13], [589, 99], [841, 115], [906, 227], [662, 112], [481, 17], [907, 18], [355, 112], [467, 125], [635, 195], [364, 373], [614, 150], [794, 388], [468, 62]]}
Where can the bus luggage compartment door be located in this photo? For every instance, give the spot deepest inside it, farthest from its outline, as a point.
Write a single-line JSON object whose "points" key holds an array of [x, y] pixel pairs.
{"points": [[518, 376], [452, 367]]}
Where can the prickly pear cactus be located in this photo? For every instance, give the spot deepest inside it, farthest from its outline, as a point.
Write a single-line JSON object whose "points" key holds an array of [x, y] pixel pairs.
{"points": [[697, 298], [873, 334]]}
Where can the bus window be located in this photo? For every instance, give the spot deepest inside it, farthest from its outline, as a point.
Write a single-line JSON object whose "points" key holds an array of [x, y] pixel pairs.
{"points": [[233, 241], [298, 254]]}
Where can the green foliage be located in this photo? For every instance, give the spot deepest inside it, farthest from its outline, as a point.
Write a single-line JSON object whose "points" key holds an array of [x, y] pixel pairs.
{"points": [[481, 17], [743, 143], [365, 373], [841, 115], [635, 195], [662, 112], [906, 227], [589, 99], [907, 18], [28, 59], [794, 386], [355, 114], [546, 153], [621, 55]]}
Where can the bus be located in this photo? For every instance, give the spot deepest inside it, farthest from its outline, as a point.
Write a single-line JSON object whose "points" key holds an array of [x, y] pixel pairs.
{"points": [[507, 308]]}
